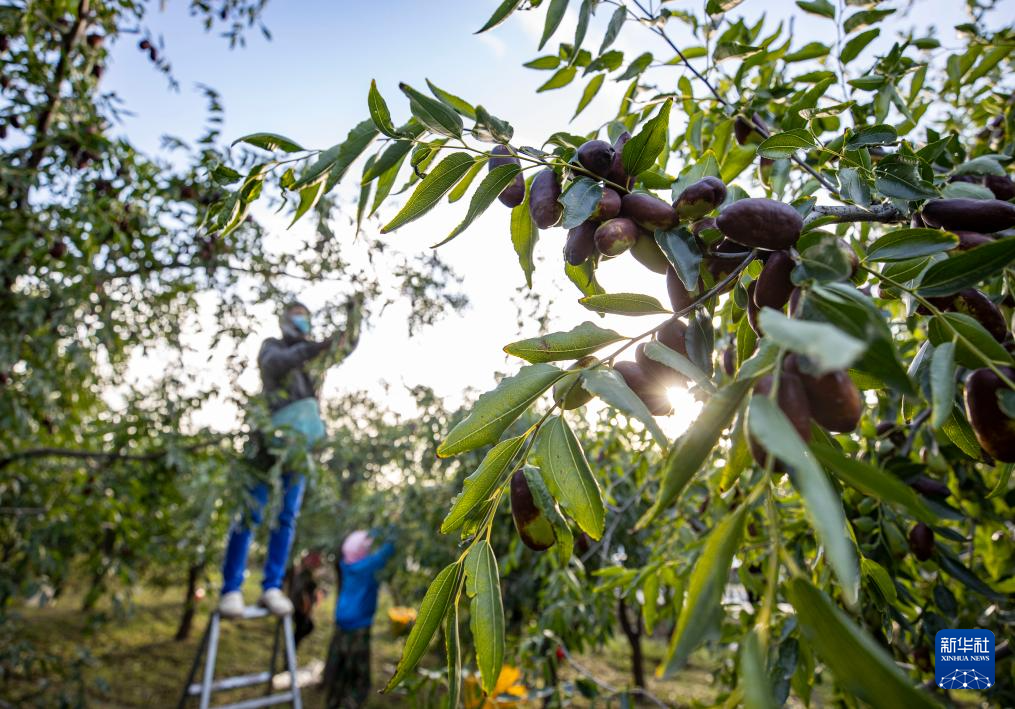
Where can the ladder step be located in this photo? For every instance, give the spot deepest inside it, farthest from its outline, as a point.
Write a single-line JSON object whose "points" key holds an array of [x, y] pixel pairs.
{"points": [[259, 702], [249, 612], [232, 683]]}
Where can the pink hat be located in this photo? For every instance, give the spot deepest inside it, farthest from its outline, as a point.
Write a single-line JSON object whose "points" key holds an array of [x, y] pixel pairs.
{"points": [[356, 546]]}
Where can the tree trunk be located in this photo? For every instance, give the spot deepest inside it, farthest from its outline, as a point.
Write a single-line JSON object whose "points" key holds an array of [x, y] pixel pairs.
{"points": [[633, 634], [189, 602]]}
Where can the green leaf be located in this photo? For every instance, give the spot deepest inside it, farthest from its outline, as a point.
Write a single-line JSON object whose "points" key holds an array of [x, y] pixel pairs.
{"points": [[580, 199], [738, 159], [308, 198], [573, 344], [591, 89], [959, 432], [463, 185], [811, 50], [877, 574], [568, 476], [983, 165], [491, 186], [825, 345], [554, 15], [681, 250], [551, 61], [611, 388], [613, 29], [524, 235], [678, 362], [905, 244], [873, 481], [453, 648], [754, 677], [379, 112], [954, 568], [270, 142], [776, 434], [486, 612], [784, 145], [967, 268], [333, 162], [584, 14], [864, 18], [431, 189], [624, 304], [965, 190], [642, 150], [717, 7], [481, 484], [731, 50], [974, 345], [562, 77], [691, 450], [434, 114], [495, 410], [942, 383], [584, 278], [701, 611], [818, 7], [871, 135], [856, 45], [395, 153], [500, 14], [902, 181], [459, 105], [636, 67], [859, 664], [432, 610]]}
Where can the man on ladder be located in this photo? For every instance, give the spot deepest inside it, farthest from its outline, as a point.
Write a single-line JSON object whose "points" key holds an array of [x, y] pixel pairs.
{"points": [[291, 393], [291, 387]]}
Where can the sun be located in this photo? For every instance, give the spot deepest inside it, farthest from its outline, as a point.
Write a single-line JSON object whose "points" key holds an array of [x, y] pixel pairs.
{"points": [[685, 410]]}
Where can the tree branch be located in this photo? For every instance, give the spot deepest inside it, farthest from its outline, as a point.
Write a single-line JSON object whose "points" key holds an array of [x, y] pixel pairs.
{"points": [[849, 213], [33, 453]]}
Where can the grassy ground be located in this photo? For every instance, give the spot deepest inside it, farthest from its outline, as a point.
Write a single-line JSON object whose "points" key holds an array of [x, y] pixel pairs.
{"points": [[136, 663]]}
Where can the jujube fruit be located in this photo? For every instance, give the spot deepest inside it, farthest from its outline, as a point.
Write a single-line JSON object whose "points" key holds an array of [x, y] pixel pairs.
{"points": [[648, 211], [513, 194], [971, 239], [1001, 185], [657, 372], [929, 487], [745, 131], [980, 215], [608, 207], [651, 394], [774, 285], [543, 195], [993, 428], [792, 401], [596, 156], [648, 253], [761, 223], [581, 243], [979, 307], [835, 401], [680, 297], [700, 198], [673, 334], [616, 236], [921, 541], [617, 174], [533, 527]]}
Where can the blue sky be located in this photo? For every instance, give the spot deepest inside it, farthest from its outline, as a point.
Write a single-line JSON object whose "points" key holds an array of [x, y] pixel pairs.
{"points": [[310, 82]]}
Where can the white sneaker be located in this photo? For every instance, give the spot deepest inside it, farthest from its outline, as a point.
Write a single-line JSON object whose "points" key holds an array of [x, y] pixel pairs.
{"points": [[276, 602], [231, 605]]}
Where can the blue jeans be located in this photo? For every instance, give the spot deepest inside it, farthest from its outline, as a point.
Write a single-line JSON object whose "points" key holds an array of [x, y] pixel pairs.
{"points": [[278, 544]]}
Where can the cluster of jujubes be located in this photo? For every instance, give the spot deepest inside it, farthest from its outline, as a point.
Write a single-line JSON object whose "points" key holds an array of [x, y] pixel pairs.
{"points": [[829, 399]]}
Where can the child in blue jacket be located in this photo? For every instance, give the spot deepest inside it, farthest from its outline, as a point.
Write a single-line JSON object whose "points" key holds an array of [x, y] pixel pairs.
{"points": [[347, 673]]}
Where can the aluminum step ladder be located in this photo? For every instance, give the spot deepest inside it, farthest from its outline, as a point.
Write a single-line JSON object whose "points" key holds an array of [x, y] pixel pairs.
{"points": [[209, 649]]}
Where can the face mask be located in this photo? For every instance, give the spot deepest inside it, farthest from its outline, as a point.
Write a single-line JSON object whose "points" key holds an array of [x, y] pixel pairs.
{"points": [[301, 322]]}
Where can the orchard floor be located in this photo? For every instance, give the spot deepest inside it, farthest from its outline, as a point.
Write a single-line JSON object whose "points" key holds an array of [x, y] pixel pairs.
{"points": [[136, 663]]}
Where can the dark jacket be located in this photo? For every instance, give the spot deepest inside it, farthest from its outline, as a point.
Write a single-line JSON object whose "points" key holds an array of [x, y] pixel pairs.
{"points": [[283, 376]]}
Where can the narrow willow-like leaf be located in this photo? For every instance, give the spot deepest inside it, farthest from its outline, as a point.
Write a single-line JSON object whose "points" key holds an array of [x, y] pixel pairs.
{"points": [[478, 487], [453, 649], [968, 268], [702, 606], [642, 150], [859, 664], [554, 14], [624, 304], [942, 383], [776, 434], [569, 477], [495, 410], [270, 142], [687, 455], [487, 612], [432, 610], [573, 344], [825, 345], [502, 12], [491, 186], [611, 388], [379, 112], [905, 244], [524, 235], [431, 189], [591, 89], [754, 677]]}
